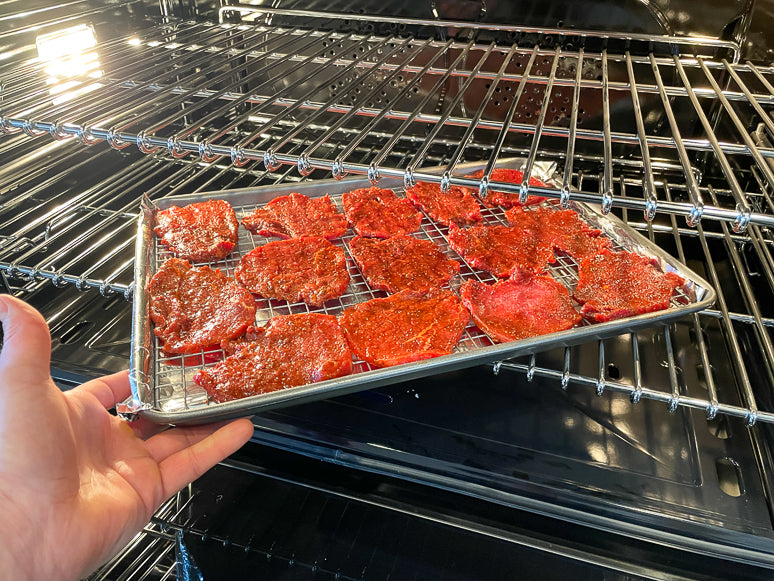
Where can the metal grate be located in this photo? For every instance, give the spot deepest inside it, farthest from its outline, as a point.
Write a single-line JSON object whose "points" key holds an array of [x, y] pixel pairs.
{"points": [[223, 91]]}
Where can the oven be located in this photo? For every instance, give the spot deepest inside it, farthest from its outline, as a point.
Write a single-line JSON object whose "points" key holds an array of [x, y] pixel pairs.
{"points": [[646, 455]]}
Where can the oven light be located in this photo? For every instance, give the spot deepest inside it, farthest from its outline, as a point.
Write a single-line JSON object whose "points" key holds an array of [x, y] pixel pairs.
{"points": [[134, 41], [70, 59]]}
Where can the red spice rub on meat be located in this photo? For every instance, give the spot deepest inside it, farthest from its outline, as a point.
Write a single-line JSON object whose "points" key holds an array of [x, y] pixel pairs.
{"points": [[520, 307], [297, 215], [291, 350], [380, 213], [196, 308], [200, 232], [457, 206], [562, 230], [504, 199], [402, 262], [405, 327], [309, 269], [613, 285], [500, 250]]}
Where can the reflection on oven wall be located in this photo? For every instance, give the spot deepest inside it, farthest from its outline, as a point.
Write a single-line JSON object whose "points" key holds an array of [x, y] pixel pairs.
{"points": [[716, 18]]}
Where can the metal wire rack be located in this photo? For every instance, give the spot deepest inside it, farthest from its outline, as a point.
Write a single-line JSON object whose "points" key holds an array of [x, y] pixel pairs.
{"points": [[174, 389], [189, 88]]}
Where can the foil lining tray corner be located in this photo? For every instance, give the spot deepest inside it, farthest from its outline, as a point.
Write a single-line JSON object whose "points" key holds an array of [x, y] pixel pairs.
{"points": [[163, 389]]}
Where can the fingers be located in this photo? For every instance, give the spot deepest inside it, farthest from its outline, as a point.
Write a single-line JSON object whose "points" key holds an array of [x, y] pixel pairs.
{"points": [[110, 389], [164, 444], [26, 352], [187, 464]]}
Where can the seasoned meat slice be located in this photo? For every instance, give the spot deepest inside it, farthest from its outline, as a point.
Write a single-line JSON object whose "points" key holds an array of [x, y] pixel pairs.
{"points": [[379, 213], [290, 351], [613, 285], [405, 327], [562, 230], [199, 232], [402, 262], [297, 215], [520, 307], [309, 269], [457, 206], [500, 249], [195, 308], [504, 199]]}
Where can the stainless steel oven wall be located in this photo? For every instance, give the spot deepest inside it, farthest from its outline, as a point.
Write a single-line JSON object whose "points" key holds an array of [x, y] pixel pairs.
{"points": [[714, 19]]}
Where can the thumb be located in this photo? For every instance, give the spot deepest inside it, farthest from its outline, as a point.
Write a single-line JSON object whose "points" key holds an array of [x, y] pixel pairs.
{"points": [[26, 352]]}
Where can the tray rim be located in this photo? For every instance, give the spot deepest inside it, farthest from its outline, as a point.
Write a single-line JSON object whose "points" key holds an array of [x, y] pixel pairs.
{"points": [[142, 353]]}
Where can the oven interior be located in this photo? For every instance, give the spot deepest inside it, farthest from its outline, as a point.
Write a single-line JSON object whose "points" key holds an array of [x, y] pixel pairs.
{"points": [[647, 455]]}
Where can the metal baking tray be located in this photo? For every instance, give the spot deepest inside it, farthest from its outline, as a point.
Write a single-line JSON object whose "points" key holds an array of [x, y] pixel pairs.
{"points": [[163, 389]]}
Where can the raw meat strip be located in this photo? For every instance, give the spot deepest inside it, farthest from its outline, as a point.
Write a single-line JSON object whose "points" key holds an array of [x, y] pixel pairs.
{"points": [[504, 199], [402, 262], [379, 213], [562, 230], [405, 327], [199, 232], [290, 351], [457, 206], [500, 249], [520, 307], [297, 215], [309, 269], [196, 308], [613, 285]]}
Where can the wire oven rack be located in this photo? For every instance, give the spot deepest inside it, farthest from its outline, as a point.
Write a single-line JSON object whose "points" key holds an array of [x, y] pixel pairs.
{"points": [[217, 112], [187, 87]]}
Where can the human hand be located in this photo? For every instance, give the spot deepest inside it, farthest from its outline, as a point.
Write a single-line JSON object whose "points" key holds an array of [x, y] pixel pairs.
{"points": [[77, 483]]}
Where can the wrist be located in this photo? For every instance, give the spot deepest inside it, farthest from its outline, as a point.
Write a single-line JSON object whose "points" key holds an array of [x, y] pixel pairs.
{"points": [[24, 551]]}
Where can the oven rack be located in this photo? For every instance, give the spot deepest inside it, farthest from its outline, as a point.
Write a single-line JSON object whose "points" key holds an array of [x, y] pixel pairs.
{"points": [[199, 177], [244, 78], [716, 240]]}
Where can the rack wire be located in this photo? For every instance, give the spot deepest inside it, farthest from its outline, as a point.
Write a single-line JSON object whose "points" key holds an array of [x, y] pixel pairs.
{"points": [[189, 88], [173, 388]]}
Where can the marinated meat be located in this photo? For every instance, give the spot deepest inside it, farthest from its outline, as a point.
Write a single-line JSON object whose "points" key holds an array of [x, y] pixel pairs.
{"points": [[402, 262], [297, 215], [520, 307], [200, 232], [195, 308], [309, 269], [379, 213], [291, 350], [562, 230], [500, 249], [457, 206], [613, 285], [504, 199], [405, 327]]}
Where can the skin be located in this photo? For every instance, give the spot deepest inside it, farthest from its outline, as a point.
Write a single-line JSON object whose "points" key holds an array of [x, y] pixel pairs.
{"points": [[77, 483]]}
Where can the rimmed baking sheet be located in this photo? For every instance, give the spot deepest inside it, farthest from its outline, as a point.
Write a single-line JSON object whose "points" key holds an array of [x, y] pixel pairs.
{"points": [[163, 388]]}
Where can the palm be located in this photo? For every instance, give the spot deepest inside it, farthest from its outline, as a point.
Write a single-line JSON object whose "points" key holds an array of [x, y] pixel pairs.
{"points": [[76, 483]]}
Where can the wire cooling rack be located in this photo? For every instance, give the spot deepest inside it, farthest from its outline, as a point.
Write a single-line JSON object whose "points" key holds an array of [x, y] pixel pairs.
{"points": [[168, 384]]}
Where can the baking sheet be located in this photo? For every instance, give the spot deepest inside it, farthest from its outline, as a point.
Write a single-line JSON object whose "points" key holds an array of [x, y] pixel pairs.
{"points": [[163, 389]]}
